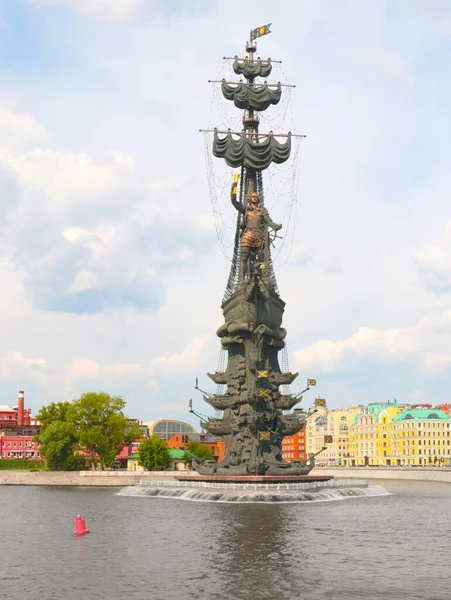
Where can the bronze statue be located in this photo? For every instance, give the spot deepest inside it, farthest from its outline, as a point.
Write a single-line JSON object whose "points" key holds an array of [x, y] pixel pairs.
{"points": [[256, 220], [253, 417]]}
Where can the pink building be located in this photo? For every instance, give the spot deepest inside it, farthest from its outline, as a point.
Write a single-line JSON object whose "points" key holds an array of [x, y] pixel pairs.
{"points": [[17, 430], [19, 446]]}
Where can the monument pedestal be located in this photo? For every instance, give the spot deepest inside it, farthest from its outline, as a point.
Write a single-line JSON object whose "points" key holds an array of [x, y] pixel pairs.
{"points": [[259, 479]]}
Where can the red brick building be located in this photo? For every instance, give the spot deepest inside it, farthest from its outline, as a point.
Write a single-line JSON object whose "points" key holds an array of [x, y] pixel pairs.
{"points": [[17, 430], [18, 416]]}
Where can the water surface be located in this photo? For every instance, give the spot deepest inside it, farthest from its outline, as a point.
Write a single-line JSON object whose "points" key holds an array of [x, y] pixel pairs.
{"points": [[366, 548]]}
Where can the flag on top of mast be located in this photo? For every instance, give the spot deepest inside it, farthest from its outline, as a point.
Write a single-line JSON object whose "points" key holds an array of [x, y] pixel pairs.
{"points": [[263, 30]]}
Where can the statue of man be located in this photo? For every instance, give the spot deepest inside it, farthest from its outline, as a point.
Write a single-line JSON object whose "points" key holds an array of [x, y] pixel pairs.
{"points": [[256, 219]]}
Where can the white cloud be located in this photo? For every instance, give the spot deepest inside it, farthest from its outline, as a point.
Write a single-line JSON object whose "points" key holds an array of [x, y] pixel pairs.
{"points": [[103, 374], [61, 175], [434, 264], [19, 130], [109, 10], [425, 347], [14, 363], [392, 344], [84, 280], [180, 362]]}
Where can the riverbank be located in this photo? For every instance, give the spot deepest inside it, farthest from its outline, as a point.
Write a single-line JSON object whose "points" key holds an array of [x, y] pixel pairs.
{"points": [[126, 478], [441, 475], [81, 478]]}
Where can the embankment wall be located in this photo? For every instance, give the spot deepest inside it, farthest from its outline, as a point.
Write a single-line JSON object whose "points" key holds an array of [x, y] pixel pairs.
{"points": [[442, 475], [125, 478], [81, 478]]}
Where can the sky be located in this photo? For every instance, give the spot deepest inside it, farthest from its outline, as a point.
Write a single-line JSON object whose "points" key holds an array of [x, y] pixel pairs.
{"points": [[111, 271]]}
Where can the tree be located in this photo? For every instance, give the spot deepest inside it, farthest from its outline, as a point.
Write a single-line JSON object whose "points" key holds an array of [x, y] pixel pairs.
{"points": [[154, 454], [198, 449], [103, 429], [58, 435]]}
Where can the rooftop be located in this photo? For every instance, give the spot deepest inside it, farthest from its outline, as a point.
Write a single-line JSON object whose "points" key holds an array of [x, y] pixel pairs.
{"points": [[421, 414]]}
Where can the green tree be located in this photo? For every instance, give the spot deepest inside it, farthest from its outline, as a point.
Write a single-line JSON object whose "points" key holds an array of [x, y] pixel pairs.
{"points": [[58, 435], [102, 426], [198, 449], [154, 454]]}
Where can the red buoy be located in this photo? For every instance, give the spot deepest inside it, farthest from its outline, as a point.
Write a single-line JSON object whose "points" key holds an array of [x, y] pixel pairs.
{"points": [[80, 527]]}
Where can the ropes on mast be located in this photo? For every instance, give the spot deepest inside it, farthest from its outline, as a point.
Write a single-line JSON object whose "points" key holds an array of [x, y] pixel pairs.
{"points": [[280, 188]]}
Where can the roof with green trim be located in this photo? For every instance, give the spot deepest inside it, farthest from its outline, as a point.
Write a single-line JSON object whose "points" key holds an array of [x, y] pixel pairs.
{"points": [[376, 408], [174, 453], [422, 414]]}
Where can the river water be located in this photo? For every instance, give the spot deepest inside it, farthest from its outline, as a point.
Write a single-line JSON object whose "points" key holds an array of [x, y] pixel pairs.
{"points": [[393, 546]]}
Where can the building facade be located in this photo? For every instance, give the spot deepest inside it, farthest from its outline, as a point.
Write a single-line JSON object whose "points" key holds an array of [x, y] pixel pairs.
{"points": [[422, 437], [294, 446]]}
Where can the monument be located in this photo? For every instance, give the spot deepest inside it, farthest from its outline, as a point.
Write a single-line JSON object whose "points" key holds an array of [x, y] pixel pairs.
{"points": [[255, 411]]}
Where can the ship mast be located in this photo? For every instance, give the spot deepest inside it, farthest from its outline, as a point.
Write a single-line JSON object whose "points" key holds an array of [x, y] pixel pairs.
{"points": [[251, 122]]}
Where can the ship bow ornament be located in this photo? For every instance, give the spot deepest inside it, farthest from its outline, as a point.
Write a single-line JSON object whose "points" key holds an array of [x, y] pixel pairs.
{"points": [[254, 415]]}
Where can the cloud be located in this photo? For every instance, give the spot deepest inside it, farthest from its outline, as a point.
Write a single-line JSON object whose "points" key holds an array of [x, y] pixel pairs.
{"points": [[112, 374], [17, 130], [13, 363], [391, 344], [434, 265], [180, 362], [425, 346], [107, 239], [109, 10]]}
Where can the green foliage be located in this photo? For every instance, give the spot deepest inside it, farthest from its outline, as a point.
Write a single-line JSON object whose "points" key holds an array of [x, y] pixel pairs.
{"points": [[58, 441], [56, 411], [102, 426], [13, 464], [58, 435], [200, 450], [94, 422], [154, 454]]}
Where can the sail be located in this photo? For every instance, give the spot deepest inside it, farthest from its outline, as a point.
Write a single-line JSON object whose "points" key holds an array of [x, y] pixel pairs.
{"points": [[251, 69], [251, 97], [258, 156]]}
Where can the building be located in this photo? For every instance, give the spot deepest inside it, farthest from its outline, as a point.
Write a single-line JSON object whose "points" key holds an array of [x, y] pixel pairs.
{"points": [[214, 443], [370, 435], [17, 431], [19, 446], [176, 456], [421, 437], [166, 428], [328, 433], [294, 446], [17, 417]]}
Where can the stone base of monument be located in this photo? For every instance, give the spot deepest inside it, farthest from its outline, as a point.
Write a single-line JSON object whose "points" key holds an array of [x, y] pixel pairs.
{"points": [[250, 489], [259, 479]]}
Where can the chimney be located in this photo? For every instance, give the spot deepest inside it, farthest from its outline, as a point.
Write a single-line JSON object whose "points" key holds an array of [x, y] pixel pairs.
{"points": [[20, 410]]}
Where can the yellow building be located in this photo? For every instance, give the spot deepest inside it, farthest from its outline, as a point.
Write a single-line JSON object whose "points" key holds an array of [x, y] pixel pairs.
{"points": [[370, 439], [335, 423], [422, 437]]}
